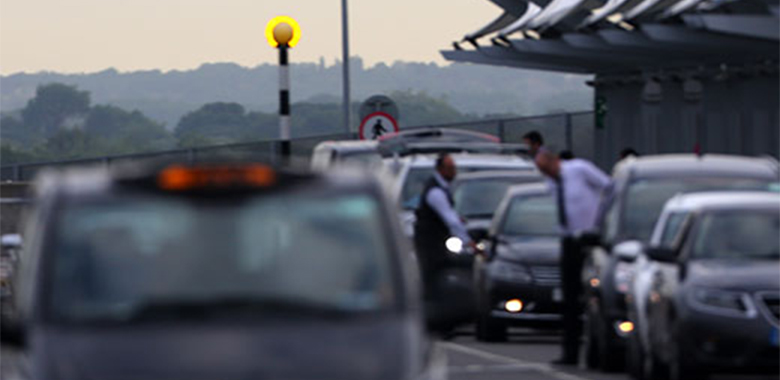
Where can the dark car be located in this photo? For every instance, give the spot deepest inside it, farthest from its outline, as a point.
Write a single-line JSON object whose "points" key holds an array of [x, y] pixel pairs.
{"points": [[230, 271], [477, 195], [714, 302], [518, 279], [642, 187]]}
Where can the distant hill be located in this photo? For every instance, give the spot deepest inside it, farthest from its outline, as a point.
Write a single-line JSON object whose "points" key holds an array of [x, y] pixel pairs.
{"points": [[166, 96]]}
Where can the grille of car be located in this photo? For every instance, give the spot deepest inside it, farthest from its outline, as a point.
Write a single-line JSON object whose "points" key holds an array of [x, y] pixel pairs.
{"points": [[771, 305], [546, 275]]}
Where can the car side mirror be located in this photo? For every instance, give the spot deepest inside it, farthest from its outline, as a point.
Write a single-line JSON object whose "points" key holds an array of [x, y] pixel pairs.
{"points": [[662, 254], [628, 251], [12, 332]]}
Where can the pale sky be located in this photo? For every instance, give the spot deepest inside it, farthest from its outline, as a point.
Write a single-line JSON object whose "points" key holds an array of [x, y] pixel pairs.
{"points": [[75, 36]]}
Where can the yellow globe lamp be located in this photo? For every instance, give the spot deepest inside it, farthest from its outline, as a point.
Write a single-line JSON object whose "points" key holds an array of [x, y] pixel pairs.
{"points": [[283, 30]]}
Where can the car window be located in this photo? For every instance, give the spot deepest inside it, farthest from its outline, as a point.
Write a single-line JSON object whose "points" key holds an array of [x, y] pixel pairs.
{"points": [[417, 178], [480, 198], [115, 255], [645, 199], [672, 228], [738, 235], [531, 216]]}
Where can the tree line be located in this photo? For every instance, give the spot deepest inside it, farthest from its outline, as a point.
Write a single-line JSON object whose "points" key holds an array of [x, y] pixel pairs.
{"points": [[60, 123]]}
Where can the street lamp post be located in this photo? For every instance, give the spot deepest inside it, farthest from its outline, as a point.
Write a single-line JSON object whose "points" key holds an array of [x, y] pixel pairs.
{"points": [[345, 66], [283, 33]]}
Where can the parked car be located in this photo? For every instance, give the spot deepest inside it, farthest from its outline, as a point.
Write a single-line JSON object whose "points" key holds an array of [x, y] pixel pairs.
{"points": [[518, 278], [10, 245], [330, 154], [667, 234], [407, 176], [642, 187], [217, 271], [714, 302], [477, 195]]}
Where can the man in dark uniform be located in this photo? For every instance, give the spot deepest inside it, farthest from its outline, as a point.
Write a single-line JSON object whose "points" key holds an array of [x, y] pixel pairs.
{"points": [[437, 219], [449, 303]]}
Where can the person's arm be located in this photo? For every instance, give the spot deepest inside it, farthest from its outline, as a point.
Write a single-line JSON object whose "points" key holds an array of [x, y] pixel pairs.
{"points": [[438, 201], [595, 177]]}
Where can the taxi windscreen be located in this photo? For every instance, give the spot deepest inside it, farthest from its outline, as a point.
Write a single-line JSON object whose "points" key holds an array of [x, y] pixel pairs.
{"points": [[118, 257]]}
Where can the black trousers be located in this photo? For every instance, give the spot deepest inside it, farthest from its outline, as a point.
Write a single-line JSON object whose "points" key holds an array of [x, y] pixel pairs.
{"points": [[572, 259]]}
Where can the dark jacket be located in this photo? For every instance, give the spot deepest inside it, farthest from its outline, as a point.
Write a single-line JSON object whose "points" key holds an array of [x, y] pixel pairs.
{"points": [[430, 231]]}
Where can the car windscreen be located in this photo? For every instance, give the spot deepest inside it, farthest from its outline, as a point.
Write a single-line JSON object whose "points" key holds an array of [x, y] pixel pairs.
{"points": [[417, 178], [645, 199], [531, 216], [479, 198], [745, 234], [672, 228], [116, 256]]}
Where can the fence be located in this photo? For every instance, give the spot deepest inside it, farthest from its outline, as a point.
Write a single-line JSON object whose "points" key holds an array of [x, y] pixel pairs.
{"points": [[572, 131]]}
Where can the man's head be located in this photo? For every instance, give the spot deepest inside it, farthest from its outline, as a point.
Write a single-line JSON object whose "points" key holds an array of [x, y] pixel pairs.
{"points": [[549, 163], [445, 165], [534, 141]]}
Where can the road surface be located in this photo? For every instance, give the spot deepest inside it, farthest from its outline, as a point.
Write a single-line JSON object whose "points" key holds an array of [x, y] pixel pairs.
{"points": [[526, 355]]}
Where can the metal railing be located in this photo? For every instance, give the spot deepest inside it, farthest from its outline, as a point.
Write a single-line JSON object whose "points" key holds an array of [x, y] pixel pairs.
{"points": [[572, 131]]}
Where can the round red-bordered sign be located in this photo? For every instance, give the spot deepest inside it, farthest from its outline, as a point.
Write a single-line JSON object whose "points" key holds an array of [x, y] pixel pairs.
{"points": [[378, 124]]}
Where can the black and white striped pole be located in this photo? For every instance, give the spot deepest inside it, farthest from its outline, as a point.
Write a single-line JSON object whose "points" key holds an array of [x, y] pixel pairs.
{"points": [[284, 102], [283, 33]]}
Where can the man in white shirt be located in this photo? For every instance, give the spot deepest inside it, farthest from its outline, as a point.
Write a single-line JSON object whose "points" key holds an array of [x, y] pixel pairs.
{"points": [[578, 186]]}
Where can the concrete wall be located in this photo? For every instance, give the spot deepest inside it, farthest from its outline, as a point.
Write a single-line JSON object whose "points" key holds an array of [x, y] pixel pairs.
{"points": [[737, 115]]}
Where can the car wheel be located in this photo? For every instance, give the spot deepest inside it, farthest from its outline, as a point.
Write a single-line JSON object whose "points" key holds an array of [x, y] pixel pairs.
{"points": [[608, 361], [682, 367], [591, 343], [653, 368], [635, 359], [490, 330]]}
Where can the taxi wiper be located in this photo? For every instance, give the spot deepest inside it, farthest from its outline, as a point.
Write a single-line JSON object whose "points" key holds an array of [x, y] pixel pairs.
{"points": [[165, 309]]}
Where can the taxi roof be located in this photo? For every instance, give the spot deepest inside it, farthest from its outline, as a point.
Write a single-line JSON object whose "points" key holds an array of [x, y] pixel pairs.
{"points": [[98, 179]]}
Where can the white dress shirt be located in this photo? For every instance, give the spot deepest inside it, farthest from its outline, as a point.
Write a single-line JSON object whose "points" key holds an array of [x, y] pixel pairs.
{"points": [[583, 185], [439, 202]]}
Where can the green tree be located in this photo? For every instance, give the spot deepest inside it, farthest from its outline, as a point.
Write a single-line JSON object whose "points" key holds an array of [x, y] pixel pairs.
{"points": [[419, 108], [52, 106], [13, 155], [215, 122], [14, 131], [70, 143], [126, 131]]}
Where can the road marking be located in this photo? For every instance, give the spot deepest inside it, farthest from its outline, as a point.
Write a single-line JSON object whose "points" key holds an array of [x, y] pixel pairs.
{"points": [[478, 368], [541, 367]]}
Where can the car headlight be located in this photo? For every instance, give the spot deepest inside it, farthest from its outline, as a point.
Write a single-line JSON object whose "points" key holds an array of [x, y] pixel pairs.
{"points": [[510, 273], [723, 302], [454, 245]]}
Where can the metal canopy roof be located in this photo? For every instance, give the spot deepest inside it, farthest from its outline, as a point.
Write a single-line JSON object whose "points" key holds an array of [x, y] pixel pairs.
{"points": [[614, 36]]}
